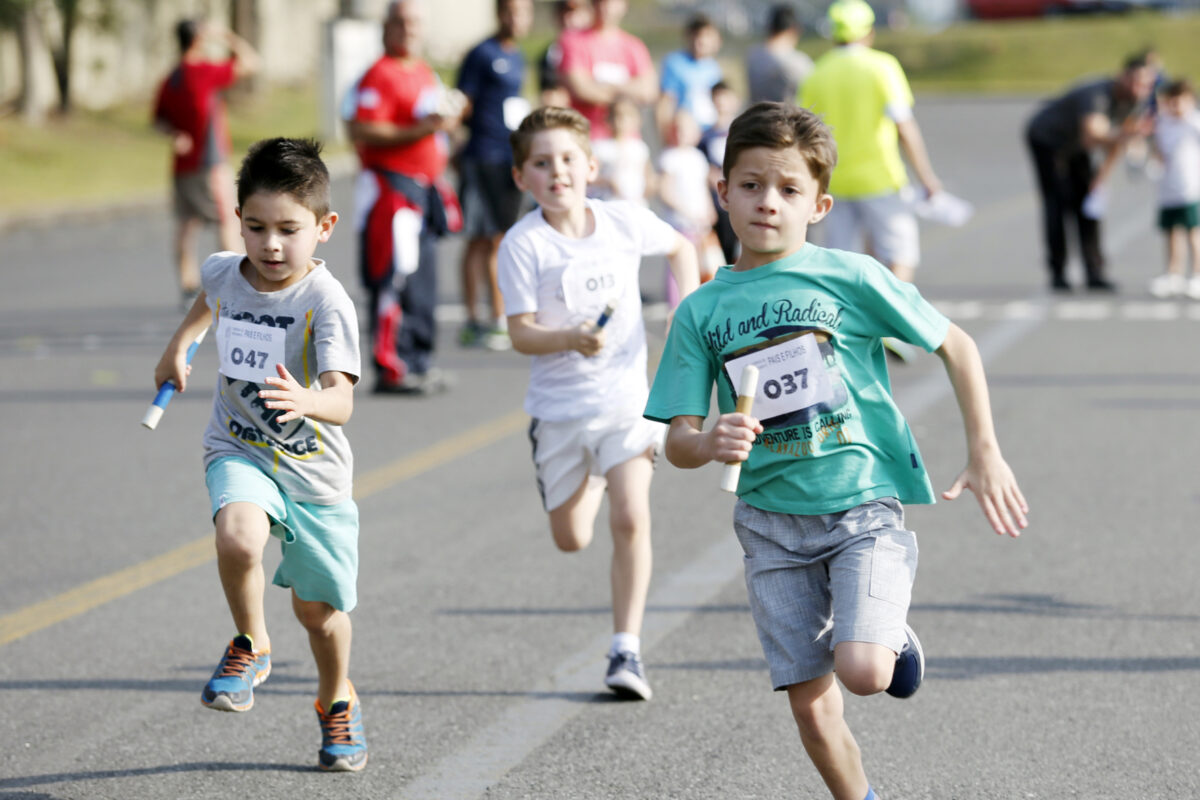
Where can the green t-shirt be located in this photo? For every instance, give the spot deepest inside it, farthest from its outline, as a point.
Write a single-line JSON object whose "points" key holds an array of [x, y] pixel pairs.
{"points": [[812, 322], [852, 88]]}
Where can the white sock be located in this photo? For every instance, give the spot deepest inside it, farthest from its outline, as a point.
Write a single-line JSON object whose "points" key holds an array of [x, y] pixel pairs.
{"points": [[626, 643]]}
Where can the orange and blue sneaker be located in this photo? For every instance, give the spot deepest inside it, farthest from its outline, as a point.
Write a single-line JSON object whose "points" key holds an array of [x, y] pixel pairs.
{"points": [[231, 687], [343, 744]]}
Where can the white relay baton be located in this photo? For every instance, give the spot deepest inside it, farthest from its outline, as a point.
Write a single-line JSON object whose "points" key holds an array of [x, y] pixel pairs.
{"points": [[745, 403]]}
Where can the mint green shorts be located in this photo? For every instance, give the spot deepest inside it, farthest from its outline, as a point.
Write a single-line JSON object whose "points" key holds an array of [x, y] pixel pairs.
{"points": [[319, 542]]}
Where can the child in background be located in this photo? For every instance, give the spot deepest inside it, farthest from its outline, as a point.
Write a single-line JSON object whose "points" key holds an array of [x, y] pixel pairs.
{"points": [[1177, 142], [712, 144], [276, 460], [563, 266], [683, 189], [625, 169]]}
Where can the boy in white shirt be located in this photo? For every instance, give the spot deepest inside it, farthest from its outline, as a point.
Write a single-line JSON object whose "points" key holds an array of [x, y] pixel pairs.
{"points": [[1177, 140], [568, 272]]}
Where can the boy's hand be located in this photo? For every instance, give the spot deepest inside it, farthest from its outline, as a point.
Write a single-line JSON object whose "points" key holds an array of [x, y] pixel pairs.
{"points": [[297, 400], [586, 340], [995, 487], [172, 367], [732, 437]]}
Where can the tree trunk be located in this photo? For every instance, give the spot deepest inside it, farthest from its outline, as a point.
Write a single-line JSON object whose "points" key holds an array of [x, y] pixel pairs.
{"points": [[37, 93], [69, 9]]}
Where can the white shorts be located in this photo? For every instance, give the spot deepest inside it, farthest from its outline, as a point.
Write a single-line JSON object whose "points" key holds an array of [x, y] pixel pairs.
{"points": [[565, 454], [885, 221]]}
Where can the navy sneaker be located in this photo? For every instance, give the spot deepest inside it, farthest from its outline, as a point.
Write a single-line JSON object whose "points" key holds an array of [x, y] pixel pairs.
{"points": [[343, 744], [231, 687], [627, 677], [910, 667]]}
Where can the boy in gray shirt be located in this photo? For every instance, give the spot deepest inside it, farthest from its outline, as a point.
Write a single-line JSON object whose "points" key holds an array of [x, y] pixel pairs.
{"points": [[276, 460]]}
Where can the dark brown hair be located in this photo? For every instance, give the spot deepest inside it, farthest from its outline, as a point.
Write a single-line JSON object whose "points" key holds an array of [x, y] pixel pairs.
{"points": [[286, 166], [780, 126]]}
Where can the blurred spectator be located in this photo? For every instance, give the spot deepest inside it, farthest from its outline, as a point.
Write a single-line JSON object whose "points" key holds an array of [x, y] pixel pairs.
{"points": [[626, 172], [1094, 116], [688, 76], [568, 15], [712, 144], [683, 189], [604, 62], [1177, 141], [775, 69], [490, 77], [401, 118], [864, 97], [190, 110]]}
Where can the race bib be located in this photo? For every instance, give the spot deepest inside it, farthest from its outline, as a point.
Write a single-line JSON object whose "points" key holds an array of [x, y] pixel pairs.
{"points": [[249, 351], [791, 376], [588, 286], [611, 73]]}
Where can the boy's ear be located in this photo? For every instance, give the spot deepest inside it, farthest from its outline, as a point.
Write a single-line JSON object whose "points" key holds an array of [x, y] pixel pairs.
{"points": [[722, 193], [325, 226], [593, 168], [821, 208], [238, 210], [517, 179]]}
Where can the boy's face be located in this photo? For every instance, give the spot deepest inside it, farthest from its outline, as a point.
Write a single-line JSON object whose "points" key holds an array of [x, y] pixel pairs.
{"points": [[557, 171], [1180, 105], [706, 42], [281, 236], [772, 198]]}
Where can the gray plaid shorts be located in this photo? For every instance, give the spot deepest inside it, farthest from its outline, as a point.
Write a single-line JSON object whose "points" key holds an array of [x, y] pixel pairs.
{"points": [[815, 581]]}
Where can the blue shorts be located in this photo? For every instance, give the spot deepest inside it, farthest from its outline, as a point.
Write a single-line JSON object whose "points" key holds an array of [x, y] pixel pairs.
{"points": [[319, 542], [815, 581]]}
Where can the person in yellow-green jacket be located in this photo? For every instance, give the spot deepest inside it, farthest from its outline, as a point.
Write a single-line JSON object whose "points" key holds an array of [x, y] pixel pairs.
{"points": [[863, 96]]}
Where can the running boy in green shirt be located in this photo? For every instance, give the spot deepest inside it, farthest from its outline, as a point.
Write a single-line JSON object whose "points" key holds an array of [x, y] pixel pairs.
{"points": [[828, 458]]}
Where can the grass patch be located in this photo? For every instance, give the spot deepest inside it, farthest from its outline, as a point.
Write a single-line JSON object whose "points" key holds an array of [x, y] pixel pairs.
{"points": [[91, 158], [115, 155]]}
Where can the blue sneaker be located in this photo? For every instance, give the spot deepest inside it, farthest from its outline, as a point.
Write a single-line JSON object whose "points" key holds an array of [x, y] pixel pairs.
{"points": [[627, 677], [343, 744], [910, 667], [231, 687]]}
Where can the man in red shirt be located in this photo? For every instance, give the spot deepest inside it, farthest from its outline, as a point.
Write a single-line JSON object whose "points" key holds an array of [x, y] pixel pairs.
{"points": [[190, 110], [399, 125], [602, 63]]}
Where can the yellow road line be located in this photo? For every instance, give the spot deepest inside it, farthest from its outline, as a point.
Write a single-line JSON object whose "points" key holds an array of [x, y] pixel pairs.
{"points": [[96, 593]]}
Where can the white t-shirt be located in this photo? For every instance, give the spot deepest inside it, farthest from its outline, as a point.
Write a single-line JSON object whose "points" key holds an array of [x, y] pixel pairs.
{"points": [[564, 282], [623, 164], [1178, 140], [686, 170], [310, 327]]}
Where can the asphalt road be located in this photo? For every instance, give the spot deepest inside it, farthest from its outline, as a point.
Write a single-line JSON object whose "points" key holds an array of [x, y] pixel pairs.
{"points": [[1063, 664]]}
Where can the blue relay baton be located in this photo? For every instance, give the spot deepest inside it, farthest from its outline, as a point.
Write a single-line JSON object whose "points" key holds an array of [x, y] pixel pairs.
{"points": [[606, 314], [167, 390]]}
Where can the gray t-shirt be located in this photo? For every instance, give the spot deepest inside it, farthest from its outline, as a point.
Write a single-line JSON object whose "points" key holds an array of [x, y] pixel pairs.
{"points": [[1058, 123], [776, 75], [309, 327]]}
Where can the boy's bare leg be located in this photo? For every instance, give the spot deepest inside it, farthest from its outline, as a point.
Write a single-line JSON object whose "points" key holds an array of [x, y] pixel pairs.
{"points": [[573, 523], [1193, 236], [186, 232], [629, 518], [229, 230], [1177, 241], [817, 708], [494, 278], [864, 668], [242, 533], [329, 634], [474, 263]]}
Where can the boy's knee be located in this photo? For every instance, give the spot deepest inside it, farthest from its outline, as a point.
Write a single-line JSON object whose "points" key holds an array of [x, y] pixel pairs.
{"points": [[316, 617], [570, 539], [864, 669], [629, 522]]}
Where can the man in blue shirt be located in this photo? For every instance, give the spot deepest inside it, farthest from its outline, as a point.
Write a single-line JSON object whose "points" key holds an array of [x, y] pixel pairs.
{"points": [[689, 75], [491, 77]]}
